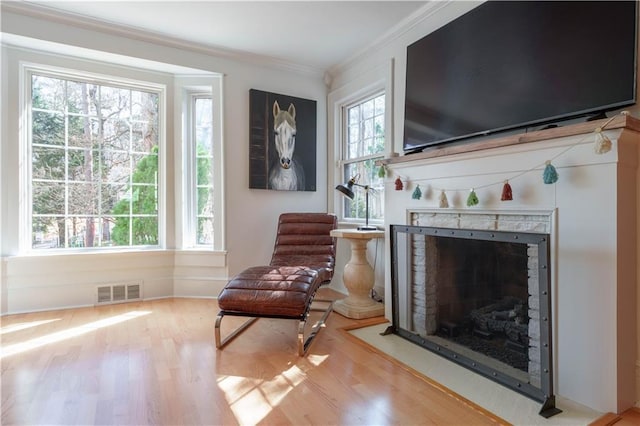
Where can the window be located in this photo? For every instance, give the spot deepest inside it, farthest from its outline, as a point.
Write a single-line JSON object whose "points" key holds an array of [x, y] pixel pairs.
{"points": [[94, 162], [201, 196], [202, 134], [363, 144]]}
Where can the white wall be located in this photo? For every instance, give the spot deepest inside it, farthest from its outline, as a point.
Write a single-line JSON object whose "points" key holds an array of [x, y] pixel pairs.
{"points": [[250, 215]]}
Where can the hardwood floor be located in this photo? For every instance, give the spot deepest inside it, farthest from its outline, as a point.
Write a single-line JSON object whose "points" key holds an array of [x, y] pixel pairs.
{"points": [[155, 362]]}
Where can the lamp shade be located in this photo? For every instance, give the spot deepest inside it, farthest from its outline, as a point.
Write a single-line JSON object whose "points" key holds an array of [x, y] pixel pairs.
{"points": [[347, 189]]}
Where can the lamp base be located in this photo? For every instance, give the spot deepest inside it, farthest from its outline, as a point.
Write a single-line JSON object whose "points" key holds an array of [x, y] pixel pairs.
{"points": [[367, 228]]}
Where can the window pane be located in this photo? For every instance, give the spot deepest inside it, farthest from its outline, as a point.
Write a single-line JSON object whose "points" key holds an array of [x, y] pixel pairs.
{"points": [[110, 195], [116, 134], [82, 199], [82, 98], [366, 171], [48, 197], [48, 163], [47, 128], [365, 134], [203, 192], [205, 231], [88, 188], [46, 232], [367, 109], [144, 199], [115, 103], [47, 93]]}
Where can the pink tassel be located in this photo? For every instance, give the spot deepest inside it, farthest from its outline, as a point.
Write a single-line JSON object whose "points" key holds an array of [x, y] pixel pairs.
{"points": [[399, 185]]}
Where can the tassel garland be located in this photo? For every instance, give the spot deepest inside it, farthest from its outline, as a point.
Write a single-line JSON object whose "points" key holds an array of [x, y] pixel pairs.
{"points": [[398, 184], [550, 175], [472, 200], [507, 194], [444, 203], [417, 193], [603, 143]]}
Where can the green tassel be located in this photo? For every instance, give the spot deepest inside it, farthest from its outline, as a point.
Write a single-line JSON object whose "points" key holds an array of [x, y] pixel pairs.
{"points": [[472, 200], [381, 172], [417, 193], [550, 174]]}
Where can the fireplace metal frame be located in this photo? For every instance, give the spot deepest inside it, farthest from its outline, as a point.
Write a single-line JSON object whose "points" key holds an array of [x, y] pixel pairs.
{"points": [[544, 393]]}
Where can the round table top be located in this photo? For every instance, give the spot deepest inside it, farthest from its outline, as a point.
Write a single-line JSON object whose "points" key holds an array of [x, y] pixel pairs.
{"points": [[356, 234]]}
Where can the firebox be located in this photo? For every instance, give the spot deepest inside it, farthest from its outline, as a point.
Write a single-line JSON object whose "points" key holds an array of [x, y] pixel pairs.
{"points": [[479, 298]]}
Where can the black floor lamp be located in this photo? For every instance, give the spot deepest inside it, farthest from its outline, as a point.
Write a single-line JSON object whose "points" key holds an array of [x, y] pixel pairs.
{"points": [[347, 190]]}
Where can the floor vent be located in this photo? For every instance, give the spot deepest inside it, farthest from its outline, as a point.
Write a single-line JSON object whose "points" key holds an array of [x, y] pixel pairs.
{"points": [[118, 293]]}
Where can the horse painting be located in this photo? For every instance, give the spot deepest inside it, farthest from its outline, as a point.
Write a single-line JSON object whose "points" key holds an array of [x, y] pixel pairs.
{"points": [[286, 174]]}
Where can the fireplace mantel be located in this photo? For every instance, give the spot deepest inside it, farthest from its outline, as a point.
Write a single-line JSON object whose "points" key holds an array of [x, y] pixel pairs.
{"points": [[617, 122], [594, 240]]}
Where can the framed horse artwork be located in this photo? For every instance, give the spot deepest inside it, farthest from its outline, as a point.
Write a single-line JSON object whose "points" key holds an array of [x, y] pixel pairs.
{"points": [[282, 142]]}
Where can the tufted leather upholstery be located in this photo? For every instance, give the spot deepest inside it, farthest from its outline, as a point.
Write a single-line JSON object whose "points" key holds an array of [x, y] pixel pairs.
{"points": [[303, 239], [303, 259]]}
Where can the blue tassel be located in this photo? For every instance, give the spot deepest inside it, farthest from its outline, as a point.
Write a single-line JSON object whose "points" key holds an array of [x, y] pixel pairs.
{"points": [[550, 174], [417, 193]]}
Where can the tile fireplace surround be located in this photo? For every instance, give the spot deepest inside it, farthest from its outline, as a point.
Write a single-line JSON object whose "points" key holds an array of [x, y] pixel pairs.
{"points": [[593, 213]]}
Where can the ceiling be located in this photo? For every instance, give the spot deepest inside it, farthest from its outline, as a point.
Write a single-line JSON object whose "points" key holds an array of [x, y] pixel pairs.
{"points": [[314, 34]]}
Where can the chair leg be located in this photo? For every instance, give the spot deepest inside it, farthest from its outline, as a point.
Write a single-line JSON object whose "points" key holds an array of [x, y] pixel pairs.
{"points": [[303, 344], [221, 343]]}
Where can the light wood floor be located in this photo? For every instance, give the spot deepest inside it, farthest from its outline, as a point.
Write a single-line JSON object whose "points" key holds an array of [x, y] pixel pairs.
{"points": [[155, 362]]}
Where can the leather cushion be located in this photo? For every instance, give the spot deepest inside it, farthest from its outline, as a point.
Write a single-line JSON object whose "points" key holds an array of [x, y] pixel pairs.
{"points": [[279, 291]]}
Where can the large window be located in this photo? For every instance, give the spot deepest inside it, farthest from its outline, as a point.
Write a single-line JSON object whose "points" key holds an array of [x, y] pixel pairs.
{"points": [[94, 163], [363, 144]]}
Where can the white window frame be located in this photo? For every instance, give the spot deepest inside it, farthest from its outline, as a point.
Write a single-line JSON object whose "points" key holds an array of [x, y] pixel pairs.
{"points": [[190, 89], [377, 81], [26, 208]]}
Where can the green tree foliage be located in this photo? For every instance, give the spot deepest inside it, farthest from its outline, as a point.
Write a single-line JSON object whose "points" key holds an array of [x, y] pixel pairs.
{"points": [[138, 212], [143, 200]]}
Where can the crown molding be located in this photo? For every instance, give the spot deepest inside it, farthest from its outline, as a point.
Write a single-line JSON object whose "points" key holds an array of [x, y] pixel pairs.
{"points": [[43, 12], [427, 12]]}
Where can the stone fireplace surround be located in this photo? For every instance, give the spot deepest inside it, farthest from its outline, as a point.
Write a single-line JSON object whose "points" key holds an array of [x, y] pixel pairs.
{"points": [[594, 211]]}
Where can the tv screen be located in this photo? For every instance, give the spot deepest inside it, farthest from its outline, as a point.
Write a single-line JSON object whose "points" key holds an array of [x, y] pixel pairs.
{"points": [[514, 64]]}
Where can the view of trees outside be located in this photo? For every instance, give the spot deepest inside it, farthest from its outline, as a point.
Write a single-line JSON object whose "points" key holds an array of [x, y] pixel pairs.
{"points": [[94, 164], [203, 129], [365, 144]]}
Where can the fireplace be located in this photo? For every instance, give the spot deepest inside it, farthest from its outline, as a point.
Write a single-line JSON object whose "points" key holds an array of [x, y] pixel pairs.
{"points": [[591, 213], [480, 298]]}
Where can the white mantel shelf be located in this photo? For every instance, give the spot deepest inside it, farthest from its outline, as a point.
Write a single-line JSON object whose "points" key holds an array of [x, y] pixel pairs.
{"points": [[618, 122]]}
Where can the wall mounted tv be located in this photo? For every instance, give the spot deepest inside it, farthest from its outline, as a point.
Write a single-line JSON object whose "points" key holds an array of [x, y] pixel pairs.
{"points": [[513, 64]]}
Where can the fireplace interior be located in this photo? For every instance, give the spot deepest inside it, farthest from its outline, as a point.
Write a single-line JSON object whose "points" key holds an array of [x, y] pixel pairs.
{"points": [[479, 298]]}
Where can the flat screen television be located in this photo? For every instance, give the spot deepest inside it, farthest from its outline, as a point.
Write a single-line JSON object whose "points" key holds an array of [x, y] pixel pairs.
{"points": [[507, 65]]}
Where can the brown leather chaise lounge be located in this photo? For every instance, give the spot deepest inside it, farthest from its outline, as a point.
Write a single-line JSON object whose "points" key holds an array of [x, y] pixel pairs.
{"points": [[303, 259]]}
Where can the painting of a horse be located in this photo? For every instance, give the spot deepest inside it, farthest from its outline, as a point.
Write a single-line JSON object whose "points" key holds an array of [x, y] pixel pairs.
{"points": [[282, 142], [287, 174]]}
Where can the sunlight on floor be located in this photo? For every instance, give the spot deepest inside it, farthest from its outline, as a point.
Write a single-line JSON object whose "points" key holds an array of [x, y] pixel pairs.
{"points": [[67, 334], [24, 325], [316, 359], [251, 400]]}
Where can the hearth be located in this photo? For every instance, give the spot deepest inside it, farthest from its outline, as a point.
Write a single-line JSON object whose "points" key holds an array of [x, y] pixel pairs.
{"points": [[479, 298]]}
